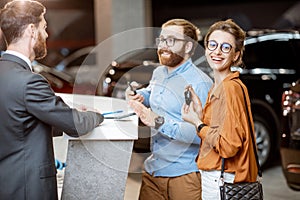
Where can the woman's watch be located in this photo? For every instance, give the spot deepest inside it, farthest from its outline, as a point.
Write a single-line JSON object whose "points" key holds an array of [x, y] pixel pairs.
{"points": [[159, 121], [200, 127]]}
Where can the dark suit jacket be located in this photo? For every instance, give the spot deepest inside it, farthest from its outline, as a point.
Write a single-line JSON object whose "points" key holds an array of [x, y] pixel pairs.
{"points": [[29, 110]]}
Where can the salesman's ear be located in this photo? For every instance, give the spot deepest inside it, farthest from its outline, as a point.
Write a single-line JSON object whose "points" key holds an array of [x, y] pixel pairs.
{"points": [[31, 31], [188, 47]]}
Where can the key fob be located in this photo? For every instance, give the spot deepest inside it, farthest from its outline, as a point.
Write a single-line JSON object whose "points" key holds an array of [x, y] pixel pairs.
{"points": [[132, 88], [188, 97]]}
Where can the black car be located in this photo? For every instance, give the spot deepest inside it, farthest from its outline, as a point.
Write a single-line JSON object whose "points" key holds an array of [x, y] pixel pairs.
{"points": [[272, 62], [60, 82], [136, 65], [290, 136]]}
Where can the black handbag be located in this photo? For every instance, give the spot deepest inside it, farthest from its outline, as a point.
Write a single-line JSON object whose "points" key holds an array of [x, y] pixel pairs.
{"points": [[243, 190]]}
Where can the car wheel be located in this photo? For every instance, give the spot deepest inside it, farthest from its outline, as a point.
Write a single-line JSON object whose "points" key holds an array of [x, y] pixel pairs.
{"points": [[263, 140]]}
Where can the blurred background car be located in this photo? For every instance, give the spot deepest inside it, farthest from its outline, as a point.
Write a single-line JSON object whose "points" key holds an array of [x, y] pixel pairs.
{"points": [[271, 61], [82, 67], [60, 82], [290, 137], [79, 68], [136, 65]]}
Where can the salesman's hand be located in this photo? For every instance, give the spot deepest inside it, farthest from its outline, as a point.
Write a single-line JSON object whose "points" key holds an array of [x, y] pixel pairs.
{"points": [[146, 115], [83, 108]]}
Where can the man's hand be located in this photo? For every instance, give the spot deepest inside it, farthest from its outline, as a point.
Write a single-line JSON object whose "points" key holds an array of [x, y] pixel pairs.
{"points": [[146, 115], [130, 93]]}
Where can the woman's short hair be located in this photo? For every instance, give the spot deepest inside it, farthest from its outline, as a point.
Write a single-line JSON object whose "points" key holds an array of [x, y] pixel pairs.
{"points": [[237, 32]]}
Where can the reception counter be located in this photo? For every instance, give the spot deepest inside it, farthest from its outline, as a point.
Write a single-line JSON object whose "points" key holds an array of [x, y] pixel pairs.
{"points": [[98, 163]]}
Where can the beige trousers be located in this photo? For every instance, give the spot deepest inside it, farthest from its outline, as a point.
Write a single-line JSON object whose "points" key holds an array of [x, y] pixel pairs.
{"points": [[185, 187]]}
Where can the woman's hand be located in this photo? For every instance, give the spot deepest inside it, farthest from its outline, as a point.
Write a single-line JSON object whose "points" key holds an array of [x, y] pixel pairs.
{"points": [[189, 114], [192, 113], [196, 100]]}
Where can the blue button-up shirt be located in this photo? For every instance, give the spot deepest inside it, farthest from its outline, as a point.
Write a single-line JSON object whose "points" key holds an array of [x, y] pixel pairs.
{"points": [[175, 144]]}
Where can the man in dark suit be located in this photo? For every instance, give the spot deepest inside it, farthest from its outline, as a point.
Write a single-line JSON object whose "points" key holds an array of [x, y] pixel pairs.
{"points": [[29, 108]]}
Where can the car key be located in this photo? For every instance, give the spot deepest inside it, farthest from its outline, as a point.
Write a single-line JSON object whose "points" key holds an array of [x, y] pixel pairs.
{"points": [[132, 88], [188, 97]]}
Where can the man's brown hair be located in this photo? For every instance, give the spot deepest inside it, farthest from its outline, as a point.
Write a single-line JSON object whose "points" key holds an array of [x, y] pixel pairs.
{"points": [[17, 15], [190, 31]]}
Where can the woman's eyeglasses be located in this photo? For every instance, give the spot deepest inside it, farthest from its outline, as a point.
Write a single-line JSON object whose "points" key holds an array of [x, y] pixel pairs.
{"points": [[213, 45], [170, 41]]}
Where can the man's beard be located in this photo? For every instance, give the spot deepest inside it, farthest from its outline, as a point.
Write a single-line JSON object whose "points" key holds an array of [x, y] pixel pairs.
{"points": [[174, 59], [2, 42], [40, 48]]}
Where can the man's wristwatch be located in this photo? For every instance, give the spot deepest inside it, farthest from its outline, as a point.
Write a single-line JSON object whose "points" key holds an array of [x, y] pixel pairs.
{"points": [[159, 121], [200, 127]]}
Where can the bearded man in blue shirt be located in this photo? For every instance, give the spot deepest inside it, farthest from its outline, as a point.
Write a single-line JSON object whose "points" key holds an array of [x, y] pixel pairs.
{"points": [[171, 171]]}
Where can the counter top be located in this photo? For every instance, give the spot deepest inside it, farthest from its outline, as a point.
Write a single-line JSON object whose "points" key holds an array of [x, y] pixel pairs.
{"points": [[109, 129]]}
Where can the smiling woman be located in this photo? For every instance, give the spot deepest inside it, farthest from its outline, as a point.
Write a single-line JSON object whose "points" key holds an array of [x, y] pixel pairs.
{"points": [[225, 130]]}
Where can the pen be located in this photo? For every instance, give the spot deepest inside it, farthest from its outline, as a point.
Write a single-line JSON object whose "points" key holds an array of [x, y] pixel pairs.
{"points": [[113, 112], [121, 116]]}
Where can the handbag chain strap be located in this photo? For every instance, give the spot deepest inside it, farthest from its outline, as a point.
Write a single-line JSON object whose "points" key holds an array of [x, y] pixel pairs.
{"points": [[252, 138]]}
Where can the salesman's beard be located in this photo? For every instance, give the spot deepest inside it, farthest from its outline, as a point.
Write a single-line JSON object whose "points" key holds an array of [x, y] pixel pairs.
{"points": [[173, 60], [40, 48]]}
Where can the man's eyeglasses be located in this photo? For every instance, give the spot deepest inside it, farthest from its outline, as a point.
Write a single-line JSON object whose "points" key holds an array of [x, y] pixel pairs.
{"points": [[213, 45], [170, 42]]}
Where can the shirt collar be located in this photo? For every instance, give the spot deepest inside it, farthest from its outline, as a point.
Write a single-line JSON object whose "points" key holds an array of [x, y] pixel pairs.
{"points": [[181, 68], [15, 53], [230, 76]]}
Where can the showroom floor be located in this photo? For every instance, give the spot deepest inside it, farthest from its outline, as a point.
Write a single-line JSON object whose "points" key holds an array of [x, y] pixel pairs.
{"points": [[274, 185]]}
